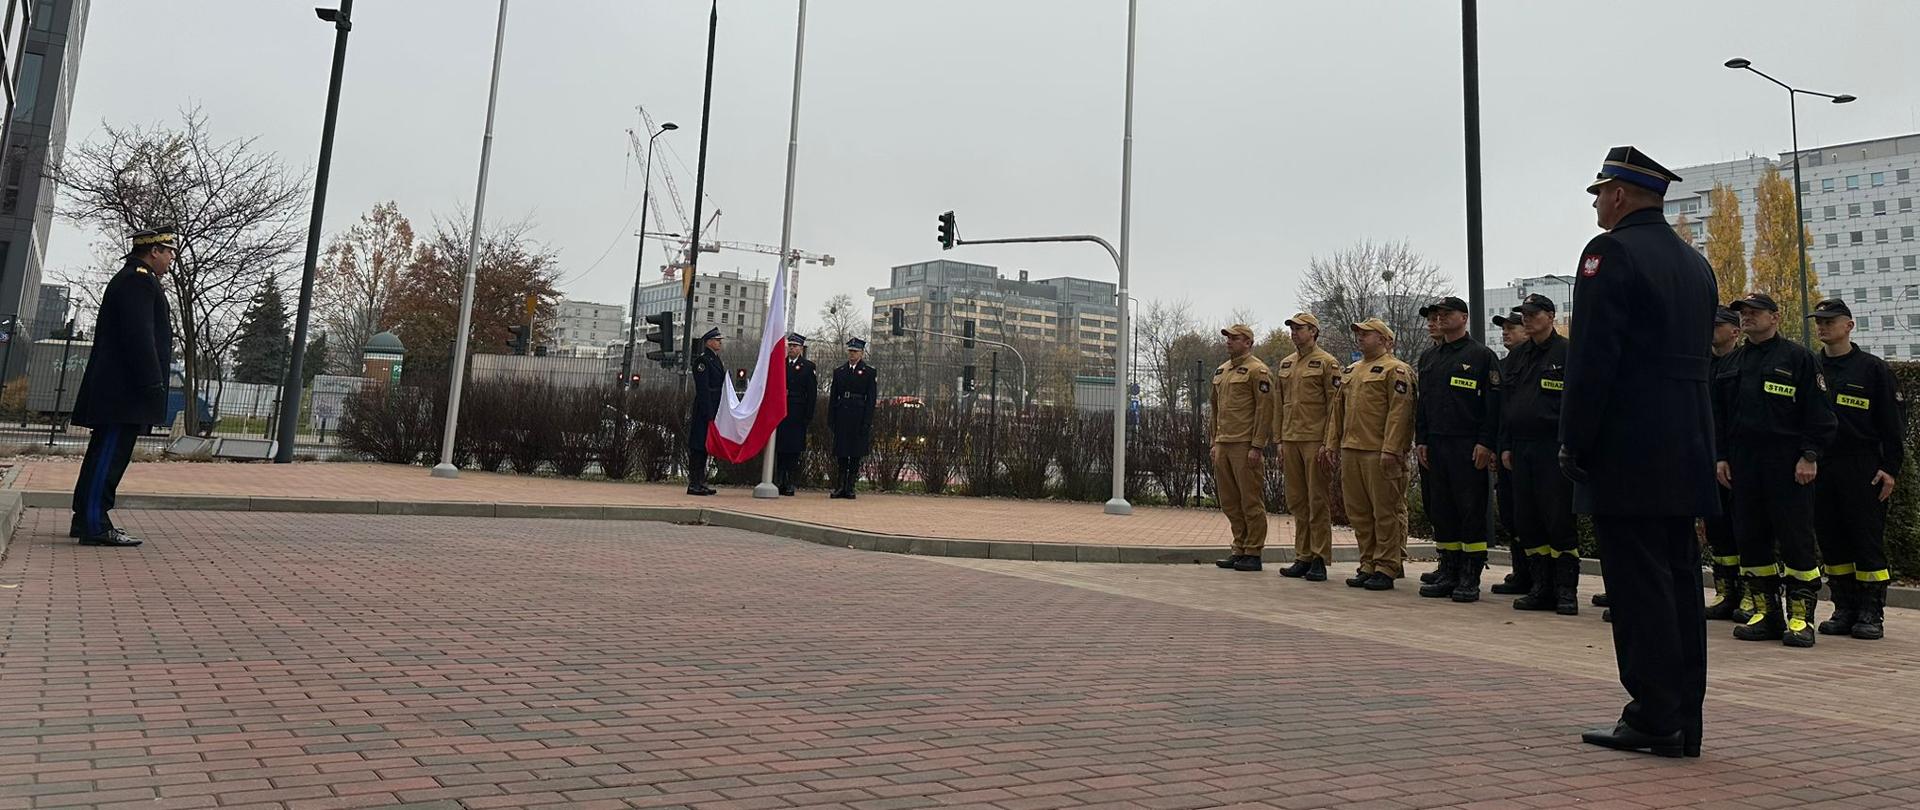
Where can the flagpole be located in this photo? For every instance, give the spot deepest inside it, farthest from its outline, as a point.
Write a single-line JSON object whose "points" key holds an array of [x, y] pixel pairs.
{"points": [[766, 488]]}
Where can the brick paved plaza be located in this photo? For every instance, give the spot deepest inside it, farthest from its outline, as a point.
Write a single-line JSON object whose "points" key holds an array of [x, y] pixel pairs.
{"points": [[288, 660]]}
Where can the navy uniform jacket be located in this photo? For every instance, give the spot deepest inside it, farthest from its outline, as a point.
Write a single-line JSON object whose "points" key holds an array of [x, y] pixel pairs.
{"points": [[1778, 399], [1457, 393], [126, 378], [1535, 383], [850, 403], [1636, 414], [1866, 401], [708, 375], [803, 396]]}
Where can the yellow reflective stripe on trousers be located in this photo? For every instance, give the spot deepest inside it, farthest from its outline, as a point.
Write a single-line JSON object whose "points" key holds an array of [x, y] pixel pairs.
{"points": [[1761, 570], [1840, 570], [1728, 562], [1446, 546], [1881, 575], [1804, 576], [1540, 551], [1471, 548]]}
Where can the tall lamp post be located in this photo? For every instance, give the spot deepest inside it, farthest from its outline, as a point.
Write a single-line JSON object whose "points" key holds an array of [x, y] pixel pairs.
{"points": [[342, 19], [1799, 215], [639, 259]]}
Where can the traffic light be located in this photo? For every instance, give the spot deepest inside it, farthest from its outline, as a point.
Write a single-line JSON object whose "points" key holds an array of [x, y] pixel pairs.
{"points": [[949, 231], [899, 321], [966, 378], [662, 337], [633, 380], [966, 329], [517, 339]]}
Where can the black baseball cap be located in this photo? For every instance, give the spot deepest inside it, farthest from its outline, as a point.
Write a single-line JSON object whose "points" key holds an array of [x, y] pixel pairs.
{"points": [[1727, 316], [1755, 300], [1535, 302], [1831, 308], [1509, 318], [1449, 302]]}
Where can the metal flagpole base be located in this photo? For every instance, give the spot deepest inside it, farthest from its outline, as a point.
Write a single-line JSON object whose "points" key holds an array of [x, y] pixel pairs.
{"points": [[445, 471], [1119, 506], [765, 490]]}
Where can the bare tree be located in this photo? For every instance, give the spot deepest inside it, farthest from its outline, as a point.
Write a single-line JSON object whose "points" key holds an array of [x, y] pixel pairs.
{"points": [[358, 275], [840, 320], [240, 212], [1389, 281], [1161, 330]]}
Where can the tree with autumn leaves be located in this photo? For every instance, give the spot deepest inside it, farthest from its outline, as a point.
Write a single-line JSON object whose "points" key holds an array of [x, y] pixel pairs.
{"points": [[1776, 248], [1726, 242], [424, 307]]}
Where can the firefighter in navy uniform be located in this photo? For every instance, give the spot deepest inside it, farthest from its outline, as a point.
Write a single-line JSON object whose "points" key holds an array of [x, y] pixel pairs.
{"points": [[1513, 335], [1722, 548], [803, 396], [1530, 447], [1857, 475], [124, 390], [1779, 422], [1636, 438], [1454, 429], [708, 375], [850, 402]]}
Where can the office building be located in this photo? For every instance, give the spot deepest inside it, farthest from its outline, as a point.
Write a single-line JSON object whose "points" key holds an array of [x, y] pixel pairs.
{"points": [[940, 296], [51, 315], [584, 328], [1502, 300], [36, 136], [736, 306]]}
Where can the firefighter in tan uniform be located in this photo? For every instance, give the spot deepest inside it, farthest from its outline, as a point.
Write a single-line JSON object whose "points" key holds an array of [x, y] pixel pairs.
{"points": [[1372, 430], [1302, 392], [1242, 424]]}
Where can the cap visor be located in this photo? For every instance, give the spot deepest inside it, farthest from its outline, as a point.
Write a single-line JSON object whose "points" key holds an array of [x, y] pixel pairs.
{"points": [[1830, 315], [1594, 187]]}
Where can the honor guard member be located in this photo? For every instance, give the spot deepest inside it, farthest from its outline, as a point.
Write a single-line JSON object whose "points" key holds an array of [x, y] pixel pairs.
{"points": [[1721, 547], [1636, 436], [1857, 475], [708, 375], [1242, 422], [1530, 448], [1302, 390], [1454, 427], [850, 402], [124, 390], [1370, 427], [1779, 423], [1512, 335], [803, 396]]}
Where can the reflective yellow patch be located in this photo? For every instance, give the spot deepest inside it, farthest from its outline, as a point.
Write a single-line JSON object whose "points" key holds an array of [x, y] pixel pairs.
{"points": [[1553, 385], [1778, 388], [1464, 382], [1854, 402]]}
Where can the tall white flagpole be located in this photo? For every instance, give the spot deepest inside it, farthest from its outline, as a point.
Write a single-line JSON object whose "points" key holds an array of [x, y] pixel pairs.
{"points": [[766, 489]]}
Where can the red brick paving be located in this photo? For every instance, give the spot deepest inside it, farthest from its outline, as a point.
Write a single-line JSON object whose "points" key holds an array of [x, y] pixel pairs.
{"points": [[308, 661]]}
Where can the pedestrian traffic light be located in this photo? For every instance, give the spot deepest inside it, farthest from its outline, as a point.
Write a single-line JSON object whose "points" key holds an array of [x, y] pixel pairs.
{"points": [[966, 328], [949, 231], [517, 339], [966, 378], [899, 321], [662, 336]]}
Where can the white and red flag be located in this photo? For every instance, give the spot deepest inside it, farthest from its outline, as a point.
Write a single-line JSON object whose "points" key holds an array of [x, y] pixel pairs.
{"points": [[744, 423]]}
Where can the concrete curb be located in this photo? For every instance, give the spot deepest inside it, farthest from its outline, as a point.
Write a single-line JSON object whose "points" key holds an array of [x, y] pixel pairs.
{"points": [[14, 503]]}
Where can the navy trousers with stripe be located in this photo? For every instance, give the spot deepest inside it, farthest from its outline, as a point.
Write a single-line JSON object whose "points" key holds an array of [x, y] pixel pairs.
{"points": [[108, 452]]}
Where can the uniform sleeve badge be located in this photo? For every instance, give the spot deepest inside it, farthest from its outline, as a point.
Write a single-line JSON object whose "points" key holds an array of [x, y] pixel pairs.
{"points": [[1494, 375], [1590, 265], [1820, 380], [1400, 387], [699, 367], [1265, 387]]}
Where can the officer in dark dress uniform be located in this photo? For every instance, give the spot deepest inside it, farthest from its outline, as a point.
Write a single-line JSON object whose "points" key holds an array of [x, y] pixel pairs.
{"points": [[1636, 436], [1455, 423], [1723, 549], [1778, 425], [850, 402], [124, 390], [1530, 442], [1857, 476], [708, 375], [803, 396]]}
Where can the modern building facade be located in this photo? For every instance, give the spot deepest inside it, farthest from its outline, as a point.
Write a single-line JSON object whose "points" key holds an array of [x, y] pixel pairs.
{"points": [[585, 328], [36, 136], [1858, 207], [736, 306], [1502, 300], [941, 295], [51, 315]]}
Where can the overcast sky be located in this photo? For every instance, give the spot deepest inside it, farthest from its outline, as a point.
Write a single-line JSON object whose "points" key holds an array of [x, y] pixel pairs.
{"points": [[1266, 132]]}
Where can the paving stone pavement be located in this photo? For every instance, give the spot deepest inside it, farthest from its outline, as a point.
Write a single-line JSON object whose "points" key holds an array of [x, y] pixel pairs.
{"points": [[305, 661], [950, 517]]}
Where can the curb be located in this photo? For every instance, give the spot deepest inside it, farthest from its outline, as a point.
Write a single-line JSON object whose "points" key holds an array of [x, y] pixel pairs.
{"points": [[818, 534], [13, 504]]}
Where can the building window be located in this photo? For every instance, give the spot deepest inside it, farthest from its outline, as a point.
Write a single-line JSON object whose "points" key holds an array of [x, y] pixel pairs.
{"points": [[1906, 204], [1887, 324], [1826, 185], [1906, 234], [1884, 264], [1886, 294], [1853, 211], [1914, 321], [739, 333], [1831, 212], [723, 317], [1879, 208], [1912, 291], [1806, 215], [1859, 294], [1853, 182], [1880, 236], [1856, 237], [1806, 187], [1833, 240], [1878, 178], [1902, 175], [1833, 268], [1913, 263], [1859, 265]]}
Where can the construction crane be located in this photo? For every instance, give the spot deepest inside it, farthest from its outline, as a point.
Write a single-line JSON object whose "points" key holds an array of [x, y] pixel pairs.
{"points": [[637, 149], [794, 258]]}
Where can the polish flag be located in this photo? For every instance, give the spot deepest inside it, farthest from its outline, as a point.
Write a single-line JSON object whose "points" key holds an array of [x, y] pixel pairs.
{"points": [[745, 423]]}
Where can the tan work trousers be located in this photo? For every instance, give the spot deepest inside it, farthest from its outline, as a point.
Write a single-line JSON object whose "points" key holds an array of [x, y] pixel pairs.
{"points": [[1307, 498], [1376, 500], [1241, 485]]}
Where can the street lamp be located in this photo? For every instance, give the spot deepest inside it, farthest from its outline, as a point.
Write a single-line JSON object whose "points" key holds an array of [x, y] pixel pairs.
{"points": [[639, 259], [1799, 215], [342, 20]]}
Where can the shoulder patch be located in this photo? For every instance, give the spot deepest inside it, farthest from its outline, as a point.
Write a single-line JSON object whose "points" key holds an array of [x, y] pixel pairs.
{"points": [[1265, 387], [699, 366], [1287, 363], [1400, 386], [1590, 265], [1820, 380], [1378, 369]]}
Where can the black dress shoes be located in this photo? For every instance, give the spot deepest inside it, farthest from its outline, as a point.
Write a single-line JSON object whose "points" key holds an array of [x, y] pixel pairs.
{"points": [[1623, 737], [111, 538]]}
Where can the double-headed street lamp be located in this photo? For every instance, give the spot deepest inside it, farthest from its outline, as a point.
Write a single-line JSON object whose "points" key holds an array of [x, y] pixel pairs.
{"points": [[639, 259], [1799, 215]]}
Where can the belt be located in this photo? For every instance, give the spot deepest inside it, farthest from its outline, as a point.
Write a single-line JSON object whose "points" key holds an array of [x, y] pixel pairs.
{"points": [[851, 395]]}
